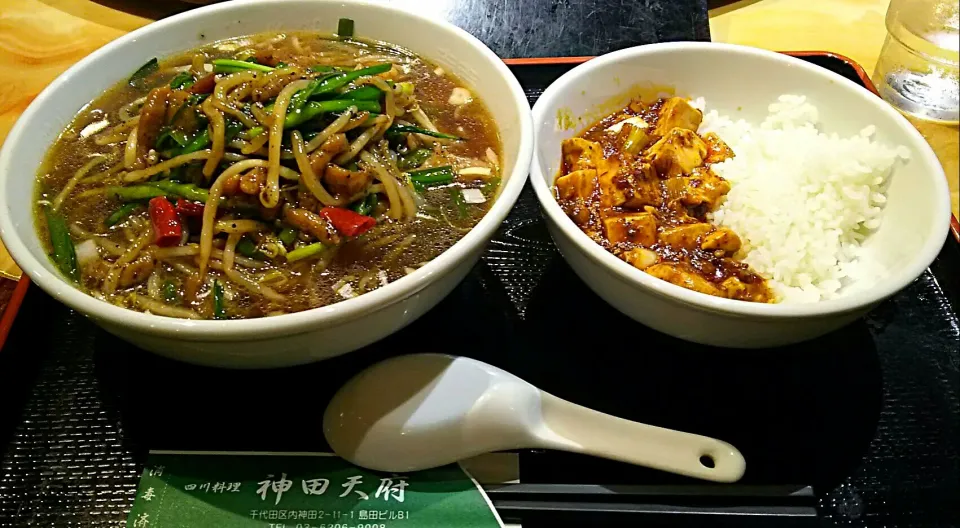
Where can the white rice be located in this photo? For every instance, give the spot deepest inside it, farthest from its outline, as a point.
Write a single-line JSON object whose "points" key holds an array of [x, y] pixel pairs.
{"points": [[801, 200]]}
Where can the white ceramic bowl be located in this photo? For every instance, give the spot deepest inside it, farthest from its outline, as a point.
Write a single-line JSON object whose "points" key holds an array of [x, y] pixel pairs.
{"points": [[915, 221], [288, 339]]}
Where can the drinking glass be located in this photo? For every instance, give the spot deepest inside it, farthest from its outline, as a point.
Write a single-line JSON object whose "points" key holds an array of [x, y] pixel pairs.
{"points": [[919, 66]]}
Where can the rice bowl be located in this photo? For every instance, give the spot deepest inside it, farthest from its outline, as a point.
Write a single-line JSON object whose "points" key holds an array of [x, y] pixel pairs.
{"points": [[915, 215]]}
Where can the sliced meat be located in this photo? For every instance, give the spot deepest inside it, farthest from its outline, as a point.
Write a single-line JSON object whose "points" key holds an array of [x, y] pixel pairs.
{"points": [[702, 187], [723, 239], [137, 271], [175, 100], [253, 180], [204, 85], [343, 182], [637, 228], [685, 236], [153, 115], [634, 186], [640, 258], [312, 223], [319, 158], [677, 153], [579, 154], [677, 112], [682, 274], [267, 58], [717, 150]]}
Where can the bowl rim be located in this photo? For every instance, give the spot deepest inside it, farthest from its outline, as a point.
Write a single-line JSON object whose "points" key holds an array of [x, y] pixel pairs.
{"points": [[286, 324], [885, 287]]}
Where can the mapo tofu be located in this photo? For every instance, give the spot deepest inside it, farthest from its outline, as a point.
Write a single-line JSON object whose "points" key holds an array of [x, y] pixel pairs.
{"points": [[639, 183]]}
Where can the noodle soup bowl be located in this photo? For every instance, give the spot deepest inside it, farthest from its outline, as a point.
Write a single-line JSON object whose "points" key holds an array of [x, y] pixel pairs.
{"points": [[740, 82], [293, 338]]}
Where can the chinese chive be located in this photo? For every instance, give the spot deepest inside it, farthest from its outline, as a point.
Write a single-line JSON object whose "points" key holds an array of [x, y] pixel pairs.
{"points": [[64, 254], [410, 129], [169, 291], [144, 71], [218, 311], [121, 214], [233, 66], [182, 81], [459, 205], [433, 176]]}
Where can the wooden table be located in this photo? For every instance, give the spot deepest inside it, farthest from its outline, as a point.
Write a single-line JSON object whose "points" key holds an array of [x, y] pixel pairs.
{"points": [[39, 39]]}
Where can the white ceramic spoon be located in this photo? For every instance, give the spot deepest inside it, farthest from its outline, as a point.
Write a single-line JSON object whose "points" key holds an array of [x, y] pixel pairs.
{"points": [[425, 410]]}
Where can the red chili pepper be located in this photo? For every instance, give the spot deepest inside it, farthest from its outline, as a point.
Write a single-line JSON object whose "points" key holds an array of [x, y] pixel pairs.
{"points": [[348, 222], [166, 226], [188, 209]]}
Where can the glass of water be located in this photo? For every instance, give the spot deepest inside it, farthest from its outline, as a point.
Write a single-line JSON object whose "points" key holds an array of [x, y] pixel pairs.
{"points": [[919, 66]]}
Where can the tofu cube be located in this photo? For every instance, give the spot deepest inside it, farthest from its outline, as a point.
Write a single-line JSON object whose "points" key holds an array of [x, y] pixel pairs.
{"points": [[677, 112], [637, 228]]}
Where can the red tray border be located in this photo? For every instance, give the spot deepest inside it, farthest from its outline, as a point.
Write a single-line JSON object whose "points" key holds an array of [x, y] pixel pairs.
{"points": [[864, 78], [10, 312]]}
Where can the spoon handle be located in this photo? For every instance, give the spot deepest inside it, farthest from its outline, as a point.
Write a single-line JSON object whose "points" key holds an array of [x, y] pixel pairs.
{"points": [[571, 427]]}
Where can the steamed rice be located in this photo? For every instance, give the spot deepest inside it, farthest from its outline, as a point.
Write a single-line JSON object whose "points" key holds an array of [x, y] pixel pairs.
{"points": [[801, 200]]}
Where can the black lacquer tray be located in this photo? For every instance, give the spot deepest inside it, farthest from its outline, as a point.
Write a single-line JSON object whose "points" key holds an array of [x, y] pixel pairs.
{"points": [[859, 428]]}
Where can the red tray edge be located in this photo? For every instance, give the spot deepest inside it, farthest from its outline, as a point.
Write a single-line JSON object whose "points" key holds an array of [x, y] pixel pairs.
{"points": [[864, 77], [9, 313]]}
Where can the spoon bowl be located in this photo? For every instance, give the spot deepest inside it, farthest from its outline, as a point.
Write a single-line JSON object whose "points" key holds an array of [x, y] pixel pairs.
{"points": [[426, 410]]}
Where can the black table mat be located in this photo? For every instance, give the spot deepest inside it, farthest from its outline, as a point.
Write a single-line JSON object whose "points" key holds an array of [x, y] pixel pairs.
{"points": [[868, 415]]}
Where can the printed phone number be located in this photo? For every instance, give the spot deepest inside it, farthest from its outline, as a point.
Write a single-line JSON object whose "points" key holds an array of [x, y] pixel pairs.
{"points": [[301, 525]]}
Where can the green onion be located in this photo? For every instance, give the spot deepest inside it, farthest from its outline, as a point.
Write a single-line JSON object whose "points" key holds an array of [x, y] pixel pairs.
{"points": [[288, 236], [434, 176], [254, 132], [314, 109], [121, 214], [456, 198], [218, 311], [169, 291], [414, 159], [305, 252], [364, 93], [144, 71], [64, 254], [186, 190], [182, 81], [636, 140], [406, 88], [345, 28], [366, 205], [233, 66], [410, 129]]}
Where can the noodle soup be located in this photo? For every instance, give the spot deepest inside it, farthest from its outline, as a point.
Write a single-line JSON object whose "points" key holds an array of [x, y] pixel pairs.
{"points": [[265, 175]]}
